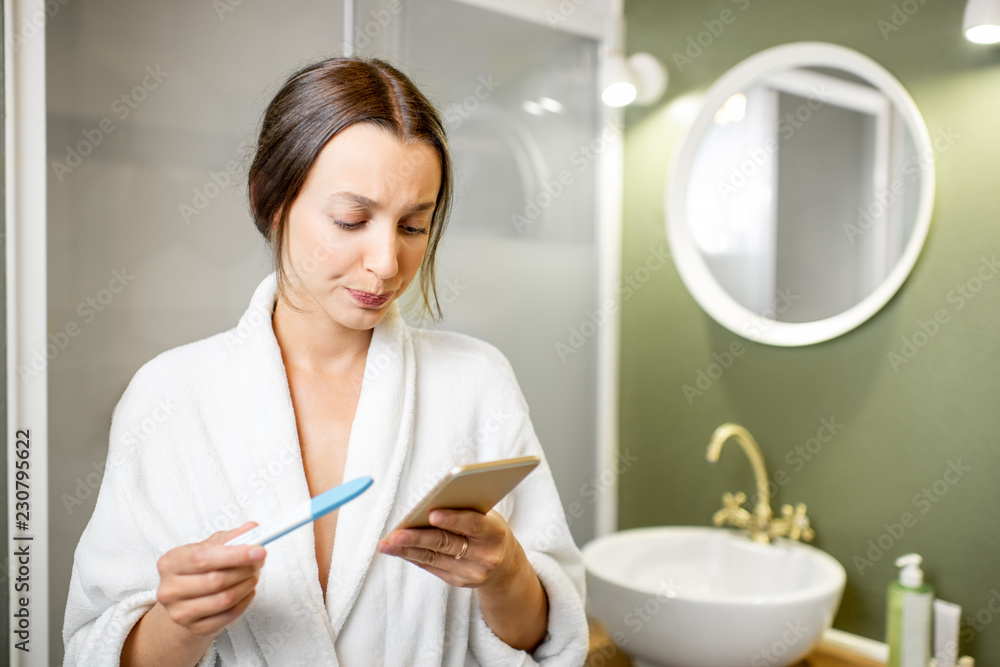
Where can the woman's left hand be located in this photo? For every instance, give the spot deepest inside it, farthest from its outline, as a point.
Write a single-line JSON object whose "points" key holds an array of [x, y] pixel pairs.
{"points": [[464, 548], [473, 550]]}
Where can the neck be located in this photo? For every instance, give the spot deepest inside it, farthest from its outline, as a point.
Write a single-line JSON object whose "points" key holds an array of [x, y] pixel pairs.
{"points": [[312, 342]]}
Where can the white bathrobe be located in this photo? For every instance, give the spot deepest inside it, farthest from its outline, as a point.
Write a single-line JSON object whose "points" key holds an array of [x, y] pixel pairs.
{"points": [[204, 438]]}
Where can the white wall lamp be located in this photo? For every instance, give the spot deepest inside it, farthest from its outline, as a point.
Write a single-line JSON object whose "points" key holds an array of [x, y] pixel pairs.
{"points": [[982, 21], [641, 79]]}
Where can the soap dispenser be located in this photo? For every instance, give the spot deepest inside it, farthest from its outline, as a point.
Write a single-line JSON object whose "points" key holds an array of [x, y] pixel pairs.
{"points": [[909, 619]]}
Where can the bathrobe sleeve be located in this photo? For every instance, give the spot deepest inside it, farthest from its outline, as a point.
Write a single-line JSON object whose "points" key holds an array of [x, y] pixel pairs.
{"points": [[535, 513], [114, 577]]}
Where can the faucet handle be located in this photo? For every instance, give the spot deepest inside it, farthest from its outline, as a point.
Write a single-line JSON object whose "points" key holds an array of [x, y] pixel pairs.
{"points": [[732, 511], [798, 523]]}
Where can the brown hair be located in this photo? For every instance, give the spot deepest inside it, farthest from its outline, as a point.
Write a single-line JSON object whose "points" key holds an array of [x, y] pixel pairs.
{"points": [[315, 104]]}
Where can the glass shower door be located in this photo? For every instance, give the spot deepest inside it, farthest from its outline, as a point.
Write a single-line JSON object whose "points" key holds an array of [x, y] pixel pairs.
{"points": [[518, 265]]}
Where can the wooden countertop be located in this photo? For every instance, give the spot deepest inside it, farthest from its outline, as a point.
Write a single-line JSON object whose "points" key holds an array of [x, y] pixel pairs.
{"points": [[827, 656], [604, 653]]}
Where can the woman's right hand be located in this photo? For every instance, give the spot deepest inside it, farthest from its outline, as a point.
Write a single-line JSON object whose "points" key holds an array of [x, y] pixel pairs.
{"points": [[206, 586]]}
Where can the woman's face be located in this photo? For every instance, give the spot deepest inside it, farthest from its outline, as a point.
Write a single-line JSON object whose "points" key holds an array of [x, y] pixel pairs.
{"points": [[358, 229]]}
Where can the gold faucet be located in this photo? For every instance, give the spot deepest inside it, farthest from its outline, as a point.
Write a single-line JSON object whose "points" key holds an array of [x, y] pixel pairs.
{"points": [[793, 523]]}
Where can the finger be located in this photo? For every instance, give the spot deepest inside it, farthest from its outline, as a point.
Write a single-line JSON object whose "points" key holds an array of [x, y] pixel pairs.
{"points": [[211, 625], [434, 559], [199, 558], [463, 573], [189, 586], [466, 522], [441, 541], [223, 536], [192, 611]]}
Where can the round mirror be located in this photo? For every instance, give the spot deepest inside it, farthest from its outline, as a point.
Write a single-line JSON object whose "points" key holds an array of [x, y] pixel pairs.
{"points": [[801, 196]]}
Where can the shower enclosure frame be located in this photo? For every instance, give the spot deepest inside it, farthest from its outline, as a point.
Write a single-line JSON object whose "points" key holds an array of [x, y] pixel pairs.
{"points": [[26, 288], [27, 393]]}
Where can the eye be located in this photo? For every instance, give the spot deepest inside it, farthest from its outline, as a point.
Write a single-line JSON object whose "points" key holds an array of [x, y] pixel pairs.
{"points": [[347, 225], [414, 230]]}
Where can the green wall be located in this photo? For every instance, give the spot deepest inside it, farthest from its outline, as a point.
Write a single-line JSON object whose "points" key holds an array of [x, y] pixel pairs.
{"points": [[902, 428]]}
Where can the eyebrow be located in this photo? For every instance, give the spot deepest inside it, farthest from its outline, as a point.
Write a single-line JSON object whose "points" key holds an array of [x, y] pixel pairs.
{"points": [[365, 201]]}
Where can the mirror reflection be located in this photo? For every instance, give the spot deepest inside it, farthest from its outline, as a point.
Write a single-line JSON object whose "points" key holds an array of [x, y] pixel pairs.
{"points": [[803, 193]]}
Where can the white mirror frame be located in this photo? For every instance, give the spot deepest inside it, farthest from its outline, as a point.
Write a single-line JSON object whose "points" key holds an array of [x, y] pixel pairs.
{"points": [[695, 273]]}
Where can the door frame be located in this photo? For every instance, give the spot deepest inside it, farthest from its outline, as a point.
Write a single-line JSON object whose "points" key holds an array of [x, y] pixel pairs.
{"points": [[26, 256]]}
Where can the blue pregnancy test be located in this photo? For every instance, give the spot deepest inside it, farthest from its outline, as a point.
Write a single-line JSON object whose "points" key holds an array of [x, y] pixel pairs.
{"points": [[305, 513]]}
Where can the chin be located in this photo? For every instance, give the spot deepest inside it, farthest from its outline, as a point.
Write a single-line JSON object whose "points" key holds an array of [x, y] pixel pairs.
{"points": [[362, 318]]}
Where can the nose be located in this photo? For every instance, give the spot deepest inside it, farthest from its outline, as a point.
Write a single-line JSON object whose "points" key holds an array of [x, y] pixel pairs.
{"points": [[380, 252]]}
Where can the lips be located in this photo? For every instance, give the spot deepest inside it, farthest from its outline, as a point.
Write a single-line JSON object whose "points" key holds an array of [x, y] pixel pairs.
{"points": [[369, 300]]}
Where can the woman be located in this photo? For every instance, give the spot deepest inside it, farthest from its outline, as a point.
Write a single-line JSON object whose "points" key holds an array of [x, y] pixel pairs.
{"points": [[320, 382]]}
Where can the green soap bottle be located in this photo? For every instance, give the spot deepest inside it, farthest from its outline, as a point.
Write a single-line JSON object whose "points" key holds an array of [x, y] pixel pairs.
{"points": [[909, 621]]}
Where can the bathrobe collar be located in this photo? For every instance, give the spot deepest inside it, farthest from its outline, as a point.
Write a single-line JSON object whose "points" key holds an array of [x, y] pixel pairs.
{"points": [[378, 446]]}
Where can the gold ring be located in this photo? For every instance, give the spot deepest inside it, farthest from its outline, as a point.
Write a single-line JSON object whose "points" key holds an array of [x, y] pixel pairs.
{"points": [[465, 546]]}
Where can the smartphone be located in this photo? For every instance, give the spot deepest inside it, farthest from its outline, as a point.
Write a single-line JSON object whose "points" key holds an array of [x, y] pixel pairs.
{"points": [[476, 486]]}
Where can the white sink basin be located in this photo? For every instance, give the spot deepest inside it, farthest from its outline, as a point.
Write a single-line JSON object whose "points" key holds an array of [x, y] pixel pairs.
{"points": [[711, 597]]}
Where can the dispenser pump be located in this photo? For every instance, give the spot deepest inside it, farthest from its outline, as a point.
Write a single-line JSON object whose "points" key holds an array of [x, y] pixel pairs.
{"points": [[911, 576]]}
